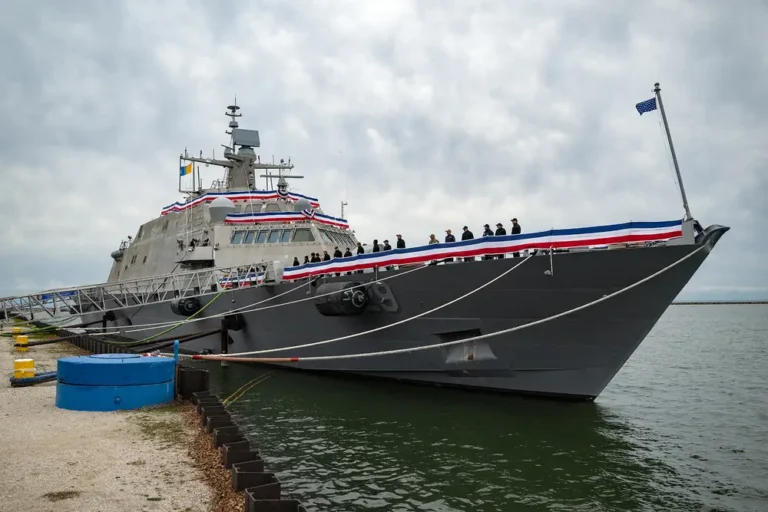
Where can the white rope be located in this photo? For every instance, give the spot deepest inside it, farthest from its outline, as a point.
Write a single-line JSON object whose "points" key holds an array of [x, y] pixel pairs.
{"points": [[492, 334], [244, 309], [355, 335]]}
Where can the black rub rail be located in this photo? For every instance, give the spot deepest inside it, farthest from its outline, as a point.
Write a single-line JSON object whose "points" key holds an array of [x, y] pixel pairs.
{"points": [[262, 488]]}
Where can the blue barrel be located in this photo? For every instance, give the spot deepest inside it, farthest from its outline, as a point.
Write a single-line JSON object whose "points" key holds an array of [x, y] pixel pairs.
{"points": [[110, 382]]}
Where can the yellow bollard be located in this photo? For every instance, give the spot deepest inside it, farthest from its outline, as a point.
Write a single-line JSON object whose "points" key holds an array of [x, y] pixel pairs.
{"points": [[22, 339], [23, 368], [15, 333]]}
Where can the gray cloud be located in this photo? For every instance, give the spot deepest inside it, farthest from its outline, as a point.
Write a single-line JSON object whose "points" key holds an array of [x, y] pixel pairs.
{"points": [[422, 115]]}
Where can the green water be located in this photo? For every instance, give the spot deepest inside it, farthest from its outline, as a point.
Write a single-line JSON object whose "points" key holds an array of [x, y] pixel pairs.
{"points": [[684, 426]]}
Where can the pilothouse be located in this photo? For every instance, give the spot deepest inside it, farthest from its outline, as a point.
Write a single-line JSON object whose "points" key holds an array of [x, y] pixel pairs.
{"points": [[233, 222]]}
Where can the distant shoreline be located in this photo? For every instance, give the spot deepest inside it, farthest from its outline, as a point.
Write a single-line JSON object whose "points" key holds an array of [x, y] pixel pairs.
{"points": [[717, 302]]}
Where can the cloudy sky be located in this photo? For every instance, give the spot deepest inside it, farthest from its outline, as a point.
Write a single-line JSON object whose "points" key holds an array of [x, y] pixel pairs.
{"points": [[422, 115]]}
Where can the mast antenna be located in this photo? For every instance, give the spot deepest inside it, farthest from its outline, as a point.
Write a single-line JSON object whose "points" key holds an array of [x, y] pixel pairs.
{"points": [[657, 90], [233, 115]]}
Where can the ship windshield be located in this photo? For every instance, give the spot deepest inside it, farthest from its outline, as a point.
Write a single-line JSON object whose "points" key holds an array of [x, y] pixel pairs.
{"points": [[262, 236], [303, 235], [274, 236], [249, 237], [237, 237], [325, 236], [286, 236]]}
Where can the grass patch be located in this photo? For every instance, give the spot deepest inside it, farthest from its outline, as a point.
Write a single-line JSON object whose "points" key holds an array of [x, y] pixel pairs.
{"points": [[61, 495], [174, 407], [162, 424]]}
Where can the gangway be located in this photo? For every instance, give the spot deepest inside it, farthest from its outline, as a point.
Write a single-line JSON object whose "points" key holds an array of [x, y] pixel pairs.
{"points": [[57, 303]]}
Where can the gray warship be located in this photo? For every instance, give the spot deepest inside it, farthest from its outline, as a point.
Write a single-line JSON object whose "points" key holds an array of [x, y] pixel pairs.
{"points": [[554, 313]]}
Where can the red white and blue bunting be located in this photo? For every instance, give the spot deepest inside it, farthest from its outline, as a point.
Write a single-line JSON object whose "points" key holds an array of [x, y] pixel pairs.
{"points": [[630, 232], [238, 197], [267, 217], [552, 239]]}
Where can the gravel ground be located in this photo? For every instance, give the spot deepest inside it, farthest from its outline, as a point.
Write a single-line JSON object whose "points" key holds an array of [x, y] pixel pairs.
{"points": [[59, 460]]}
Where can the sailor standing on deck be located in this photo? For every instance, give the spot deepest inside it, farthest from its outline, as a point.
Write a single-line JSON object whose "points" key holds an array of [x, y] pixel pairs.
{"points": [[433, 240], [388, 247], [348, 254], [337, 254], [360, 250], [400, 242], [467, 235], [516, 229], [449, 238], [487, 232], [500, 231]]}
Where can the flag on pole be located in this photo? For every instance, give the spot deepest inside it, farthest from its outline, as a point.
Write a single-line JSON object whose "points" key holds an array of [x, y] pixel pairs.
{"points": [[646, 106], [185, 169]]}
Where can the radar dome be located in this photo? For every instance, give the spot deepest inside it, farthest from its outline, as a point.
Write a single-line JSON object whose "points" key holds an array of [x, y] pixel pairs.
{"points": [[220, 208], [301, 204]]}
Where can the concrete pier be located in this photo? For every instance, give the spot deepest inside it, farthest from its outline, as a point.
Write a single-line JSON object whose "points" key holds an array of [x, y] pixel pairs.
{"points": [[55, 459]]}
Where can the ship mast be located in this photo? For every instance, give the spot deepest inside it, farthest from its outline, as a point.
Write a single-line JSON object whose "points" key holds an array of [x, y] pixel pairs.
{"points": [[240, 162]]}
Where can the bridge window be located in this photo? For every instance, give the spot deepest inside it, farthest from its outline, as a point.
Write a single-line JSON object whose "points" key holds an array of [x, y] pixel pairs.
{"points": [[274, 236], [249, 237], [325, 236], [237, 237], [286, 236], [303, 235], [144, 260], [262, 236]]}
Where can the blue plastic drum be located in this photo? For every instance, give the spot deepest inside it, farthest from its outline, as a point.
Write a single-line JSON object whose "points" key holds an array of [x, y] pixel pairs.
{"points": [[110, 382]]}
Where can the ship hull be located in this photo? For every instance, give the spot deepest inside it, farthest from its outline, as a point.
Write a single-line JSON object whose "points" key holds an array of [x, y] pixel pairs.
{"points": [[574, 356]]}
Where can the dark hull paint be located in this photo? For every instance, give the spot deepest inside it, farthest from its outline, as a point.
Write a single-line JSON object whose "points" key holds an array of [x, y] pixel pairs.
{"points": [[575, 356]]}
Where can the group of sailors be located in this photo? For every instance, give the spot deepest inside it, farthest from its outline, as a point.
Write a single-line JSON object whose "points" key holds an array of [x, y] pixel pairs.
{"points": [[400, 244]]}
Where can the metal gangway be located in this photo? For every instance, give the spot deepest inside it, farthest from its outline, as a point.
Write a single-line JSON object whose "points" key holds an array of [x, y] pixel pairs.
{"points": [[117, 295]]}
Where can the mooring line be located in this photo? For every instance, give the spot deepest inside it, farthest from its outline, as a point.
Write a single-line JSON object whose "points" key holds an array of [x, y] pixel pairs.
{"points": [[235, 358], [243, 309], [393, 324]]}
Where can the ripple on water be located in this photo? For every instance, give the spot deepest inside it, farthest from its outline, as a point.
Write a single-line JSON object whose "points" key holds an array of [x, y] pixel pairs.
{"points": [[681, 427]]}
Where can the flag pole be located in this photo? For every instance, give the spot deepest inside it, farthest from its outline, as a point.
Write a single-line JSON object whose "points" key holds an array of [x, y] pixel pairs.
{"points": [[657, 90]]}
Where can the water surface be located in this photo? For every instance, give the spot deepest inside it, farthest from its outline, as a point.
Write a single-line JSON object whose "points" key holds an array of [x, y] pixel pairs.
{"points": [[683, 426]]}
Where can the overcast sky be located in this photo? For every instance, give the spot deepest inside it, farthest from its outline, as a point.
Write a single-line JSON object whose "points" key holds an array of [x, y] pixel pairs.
{"points": [[421, 115]]}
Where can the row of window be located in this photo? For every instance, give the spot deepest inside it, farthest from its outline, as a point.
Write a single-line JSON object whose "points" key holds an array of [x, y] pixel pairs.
{"points": [[133, 260], [341, 240], [271, 236], [283, 236]]}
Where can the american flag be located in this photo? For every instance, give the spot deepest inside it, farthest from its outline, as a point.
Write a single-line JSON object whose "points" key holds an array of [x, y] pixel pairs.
{"points": [[646, 106]]}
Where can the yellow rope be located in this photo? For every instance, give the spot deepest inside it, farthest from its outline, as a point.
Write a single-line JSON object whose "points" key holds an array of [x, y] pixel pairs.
{"points": [[242, 390]]}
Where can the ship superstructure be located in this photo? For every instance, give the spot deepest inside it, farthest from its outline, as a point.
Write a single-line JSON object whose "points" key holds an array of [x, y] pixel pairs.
{"points": [[233, 222]]}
